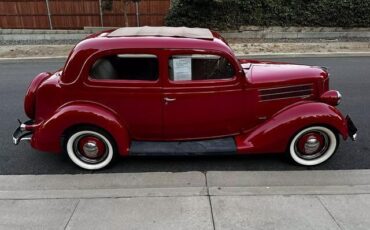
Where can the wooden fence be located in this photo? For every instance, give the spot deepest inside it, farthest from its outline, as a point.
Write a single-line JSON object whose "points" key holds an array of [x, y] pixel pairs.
{"points": [[75, 14]]}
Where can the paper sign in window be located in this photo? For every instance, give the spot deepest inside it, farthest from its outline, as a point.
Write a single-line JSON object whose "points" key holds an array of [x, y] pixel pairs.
{"points": [[181, 69]]}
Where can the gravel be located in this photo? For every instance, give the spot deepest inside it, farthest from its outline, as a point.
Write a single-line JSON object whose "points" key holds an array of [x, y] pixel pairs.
{"points": [[230, 40], [47, 48], [38, 42]]}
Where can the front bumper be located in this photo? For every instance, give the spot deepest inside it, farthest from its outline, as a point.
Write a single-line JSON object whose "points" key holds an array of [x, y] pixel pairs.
{"points": [[352, 129], [21, 134]]}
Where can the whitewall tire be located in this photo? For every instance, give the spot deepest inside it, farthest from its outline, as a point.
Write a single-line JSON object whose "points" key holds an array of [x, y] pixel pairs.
{"points": [[313, 145], [90, 149]]}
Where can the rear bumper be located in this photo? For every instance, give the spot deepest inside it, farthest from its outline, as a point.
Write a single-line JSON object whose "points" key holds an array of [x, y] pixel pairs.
{"points": [[21, 133], [352, 129], [34, 132]]}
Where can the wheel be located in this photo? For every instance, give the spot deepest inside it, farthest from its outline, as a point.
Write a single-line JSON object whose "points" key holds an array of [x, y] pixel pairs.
{"points": [[313, 145], [89, 148]]}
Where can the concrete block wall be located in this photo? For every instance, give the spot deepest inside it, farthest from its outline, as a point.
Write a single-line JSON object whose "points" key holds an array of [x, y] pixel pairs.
{"points": [[246, 32]]}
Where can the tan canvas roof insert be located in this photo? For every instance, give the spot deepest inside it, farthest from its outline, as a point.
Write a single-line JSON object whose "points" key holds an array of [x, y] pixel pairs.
{"points": [[162, 32]]}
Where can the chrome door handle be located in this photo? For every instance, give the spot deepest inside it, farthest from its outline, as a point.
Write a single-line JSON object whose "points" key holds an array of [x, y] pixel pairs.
{"points": [[168, 99]]}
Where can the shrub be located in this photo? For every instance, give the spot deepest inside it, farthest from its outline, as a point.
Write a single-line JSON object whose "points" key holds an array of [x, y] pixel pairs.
{"points": [[230, 14]]}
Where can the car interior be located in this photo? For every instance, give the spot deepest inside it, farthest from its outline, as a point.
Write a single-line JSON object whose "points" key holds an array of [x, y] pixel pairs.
{"points": [[145, 67], [126, 67], [205, 67]]}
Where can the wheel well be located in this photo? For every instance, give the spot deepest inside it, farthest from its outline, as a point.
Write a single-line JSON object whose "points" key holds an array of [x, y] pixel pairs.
{"points": [[332, 128], [78, 127], [335, 131], [294, 156]]}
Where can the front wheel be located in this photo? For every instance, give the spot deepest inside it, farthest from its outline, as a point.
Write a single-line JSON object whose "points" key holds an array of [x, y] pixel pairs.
{"points": [[90, 149], [313, 145]]}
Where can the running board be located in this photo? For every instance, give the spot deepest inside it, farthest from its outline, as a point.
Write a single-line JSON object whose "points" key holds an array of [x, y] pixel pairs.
{"points": [[222, 146]]}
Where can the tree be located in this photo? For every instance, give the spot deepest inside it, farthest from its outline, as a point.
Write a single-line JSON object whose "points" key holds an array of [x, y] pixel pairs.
{"points": [[108, 5]]}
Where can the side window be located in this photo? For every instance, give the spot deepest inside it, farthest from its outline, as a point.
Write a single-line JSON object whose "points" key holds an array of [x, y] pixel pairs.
{"points": [[126, 67], [199, 67]]}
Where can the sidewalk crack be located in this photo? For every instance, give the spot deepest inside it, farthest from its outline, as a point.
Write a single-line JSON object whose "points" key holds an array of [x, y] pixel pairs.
{"points": [[331, 215], [210, 201], [73, 212]]}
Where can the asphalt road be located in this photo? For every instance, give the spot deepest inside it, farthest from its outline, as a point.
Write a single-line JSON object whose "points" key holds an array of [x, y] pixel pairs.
{"points": [[350, 75]]}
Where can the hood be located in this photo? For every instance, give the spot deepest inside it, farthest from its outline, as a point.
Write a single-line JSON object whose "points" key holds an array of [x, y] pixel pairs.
{"points": [[262, 74]]}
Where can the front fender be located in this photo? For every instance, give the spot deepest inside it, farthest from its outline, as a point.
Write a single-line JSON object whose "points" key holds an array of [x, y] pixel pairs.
{"points": [[47, 136], [274, 135]]}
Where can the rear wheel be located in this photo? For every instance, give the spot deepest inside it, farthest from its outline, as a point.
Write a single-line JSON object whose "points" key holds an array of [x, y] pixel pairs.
{"points": [[313, 145], [89, 148]]}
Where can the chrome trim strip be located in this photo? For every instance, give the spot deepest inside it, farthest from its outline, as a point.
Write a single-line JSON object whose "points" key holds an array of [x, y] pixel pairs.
{"points": [[286, 92], [23, 127], [21, 134], [28, 138], [15, 141], [281, 98], [282, 87], [339, 95]]}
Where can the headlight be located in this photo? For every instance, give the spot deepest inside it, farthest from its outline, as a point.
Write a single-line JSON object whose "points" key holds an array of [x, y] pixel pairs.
{"points": [[331, 97]]}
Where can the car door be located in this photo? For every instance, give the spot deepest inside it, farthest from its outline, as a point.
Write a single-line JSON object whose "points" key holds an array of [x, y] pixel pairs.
{"points": [[128, 82], [203, 96]]}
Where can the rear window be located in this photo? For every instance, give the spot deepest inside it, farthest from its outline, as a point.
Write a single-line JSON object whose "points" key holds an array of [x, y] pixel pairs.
{"points": [[199, 67], [126, 67]]}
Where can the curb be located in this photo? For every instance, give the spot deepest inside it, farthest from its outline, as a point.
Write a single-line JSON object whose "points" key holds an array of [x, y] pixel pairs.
{"points": [[292, 55], [162, 184], [245, 32], [295, 35], [34, 59], [251, 55], [117, 185]]}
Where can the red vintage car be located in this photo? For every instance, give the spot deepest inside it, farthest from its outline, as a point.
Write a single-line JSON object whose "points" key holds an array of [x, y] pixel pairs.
{"points": [[179, 91]]}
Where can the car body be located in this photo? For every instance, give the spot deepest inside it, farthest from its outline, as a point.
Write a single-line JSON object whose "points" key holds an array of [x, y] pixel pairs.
{"points": [[158, 91]]}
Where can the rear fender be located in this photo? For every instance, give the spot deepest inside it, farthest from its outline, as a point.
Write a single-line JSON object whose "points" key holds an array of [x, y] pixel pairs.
{"points": [[29, 99], [47, 136], [274, 135]]}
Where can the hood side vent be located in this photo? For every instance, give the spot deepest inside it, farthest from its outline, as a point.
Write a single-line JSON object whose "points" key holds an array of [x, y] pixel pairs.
{"points": [[295, 91]]}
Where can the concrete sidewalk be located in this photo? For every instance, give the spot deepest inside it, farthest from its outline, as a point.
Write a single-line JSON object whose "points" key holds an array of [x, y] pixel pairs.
{"points": [[189, 200]]}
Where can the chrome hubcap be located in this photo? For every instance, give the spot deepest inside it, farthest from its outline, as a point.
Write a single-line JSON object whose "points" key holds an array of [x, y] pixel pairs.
{"points": [[91, 149], [311, 145]]}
